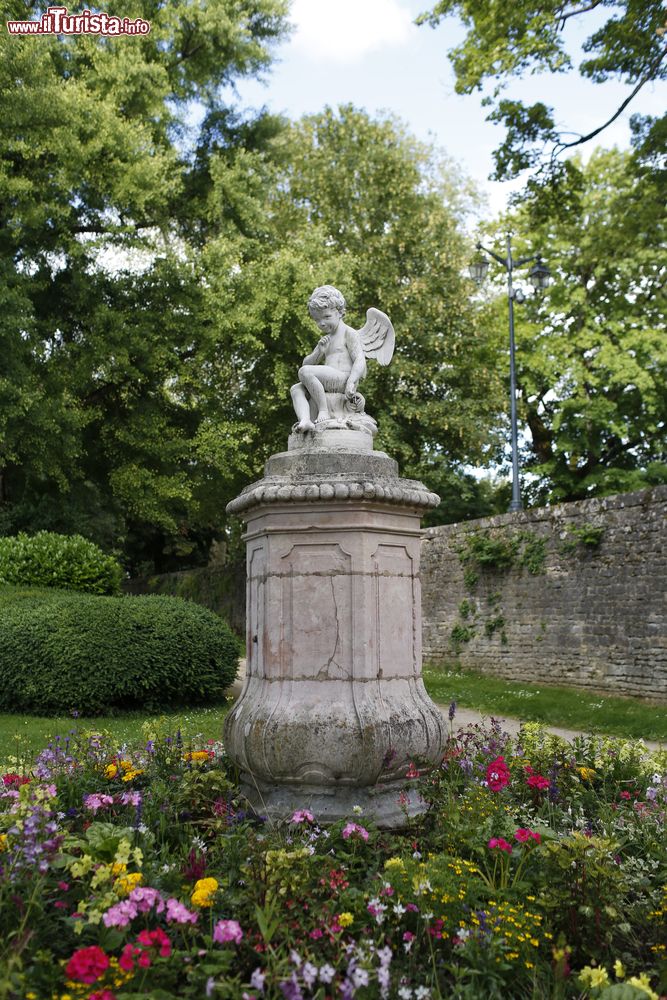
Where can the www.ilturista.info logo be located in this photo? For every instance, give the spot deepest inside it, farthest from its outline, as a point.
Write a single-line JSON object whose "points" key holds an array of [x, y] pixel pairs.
{"points": [[58, 21]]}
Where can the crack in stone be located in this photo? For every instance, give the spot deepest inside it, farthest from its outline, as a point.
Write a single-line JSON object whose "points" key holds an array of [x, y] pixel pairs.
{"points": [[325, 668]]}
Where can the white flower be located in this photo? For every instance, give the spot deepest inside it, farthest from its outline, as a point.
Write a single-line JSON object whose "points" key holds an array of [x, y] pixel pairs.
{"points": [[357, 810], [309, 973], [327, 972], [295, 958], [359, 978], [422, 993], [656, 779], [405, 993], [385, 955], [398, 909], [417, 855]]}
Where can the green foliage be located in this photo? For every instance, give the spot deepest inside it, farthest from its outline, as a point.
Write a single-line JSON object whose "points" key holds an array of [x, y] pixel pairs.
{"points": [[587, 535], [508, 40], [64, 652], [101, 178], [461, 634], [592, 352], [499, 551], [69, 562]]}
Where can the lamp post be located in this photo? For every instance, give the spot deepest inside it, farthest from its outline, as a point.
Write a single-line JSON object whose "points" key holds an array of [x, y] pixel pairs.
{"points": [[539, 276]]}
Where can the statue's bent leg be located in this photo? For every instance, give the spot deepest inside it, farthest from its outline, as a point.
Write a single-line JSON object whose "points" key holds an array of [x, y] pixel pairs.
{"points": [[301, 405], [318, 379]]}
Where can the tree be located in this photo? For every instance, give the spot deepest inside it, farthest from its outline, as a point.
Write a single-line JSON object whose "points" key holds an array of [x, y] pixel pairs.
{"points": [[506, 40], [99, 284], [592, 353]]}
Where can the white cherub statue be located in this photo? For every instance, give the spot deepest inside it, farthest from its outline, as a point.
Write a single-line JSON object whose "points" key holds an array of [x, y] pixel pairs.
{"points": [[344, 352]]}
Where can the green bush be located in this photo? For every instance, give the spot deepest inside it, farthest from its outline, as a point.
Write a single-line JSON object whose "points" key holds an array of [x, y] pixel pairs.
{"points": [[62, 652], [65, 561]]}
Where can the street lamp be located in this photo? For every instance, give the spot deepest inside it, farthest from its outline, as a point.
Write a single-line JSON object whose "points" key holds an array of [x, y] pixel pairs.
{"points": [[539, 276]]}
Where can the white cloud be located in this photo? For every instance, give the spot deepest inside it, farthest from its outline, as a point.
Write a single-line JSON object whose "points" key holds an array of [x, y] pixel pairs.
{"points": [[345, 30]]}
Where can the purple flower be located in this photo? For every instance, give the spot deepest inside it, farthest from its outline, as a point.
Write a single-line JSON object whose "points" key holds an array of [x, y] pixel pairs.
{"points": [[452, 711], [257, 980]]}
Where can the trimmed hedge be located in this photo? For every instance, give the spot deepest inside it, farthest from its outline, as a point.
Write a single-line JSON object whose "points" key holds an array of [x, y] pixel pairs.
{"points": [[64, 652], [64, 561]]}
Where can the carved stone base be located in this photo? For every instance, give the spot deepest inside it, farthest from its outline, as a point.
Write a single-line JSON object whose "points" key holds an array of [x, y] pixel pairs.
{"points": [[333, 709], [392, 804]]}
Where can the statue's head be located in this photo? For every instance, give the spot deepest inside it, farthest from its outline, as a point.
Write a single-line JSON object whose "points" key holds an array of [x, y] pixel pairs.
{"points": [[326, 297]]}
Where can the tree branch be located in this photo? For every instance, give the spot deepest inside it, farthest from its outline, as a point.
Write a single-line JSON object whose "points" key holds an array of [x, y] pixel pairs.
{"points": [[591, 135], [581, 10]]}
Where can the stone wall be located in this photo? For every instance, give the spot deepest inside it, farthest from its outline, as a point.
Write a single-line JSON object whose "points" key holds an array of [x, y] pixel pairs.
{"points": [[582, 601]]}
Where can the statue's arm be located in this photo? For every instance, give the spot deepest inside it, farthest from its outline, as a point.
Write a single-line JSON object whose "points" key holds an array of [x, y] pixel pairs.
{"points": [[318, 353], [358, 358]]}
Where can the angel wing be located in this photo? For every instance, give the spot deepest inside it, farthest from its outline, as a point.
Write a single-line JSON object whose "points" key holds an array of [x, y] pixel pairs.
{"points": [[378, 337]]}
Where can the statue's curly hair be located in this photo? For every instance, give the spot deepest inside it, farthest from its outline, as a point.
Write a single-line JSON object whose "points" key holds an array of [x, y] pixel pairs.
{"points": [[326, 297]]}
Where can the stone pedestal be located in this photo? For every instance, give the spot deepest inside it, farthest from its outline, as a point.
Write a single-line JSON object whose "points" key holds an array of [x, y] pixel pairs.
{"points": [[333, 708]]}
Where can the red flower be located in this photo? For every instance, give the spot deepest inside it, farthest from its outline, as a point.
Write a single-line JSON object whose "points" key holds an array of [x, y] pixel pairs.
{"points": [[11, 780], [538, 781], [522, 835], [497, 774], [87, 964]]}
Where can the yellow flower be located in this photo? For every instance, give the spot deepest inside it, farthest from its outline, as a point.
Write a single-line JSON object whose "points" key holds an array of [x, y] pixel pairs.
{"points": [[110, 771], [394, 863], [126, 883], [587, 773], [619, 970], [204, 890], [3, 841], [196, 756], [643, 983], [131, 774], [345, 919], [599, 977]]}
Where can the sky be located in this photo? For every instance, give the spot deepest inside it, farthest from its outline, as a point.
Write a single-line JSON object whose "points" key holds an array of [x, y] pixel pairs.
{"points": [[370, 53]]}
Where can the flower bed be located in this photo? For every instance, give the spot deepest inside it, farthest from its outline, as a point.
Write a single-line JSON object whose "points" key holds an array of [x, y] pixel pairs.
{"points": [[539, 870]]}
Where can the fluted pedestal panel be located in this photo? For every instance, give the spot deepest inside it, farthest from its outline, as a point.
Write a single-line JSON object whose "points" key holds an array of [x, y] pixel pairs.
{"points": [[333, 708]]}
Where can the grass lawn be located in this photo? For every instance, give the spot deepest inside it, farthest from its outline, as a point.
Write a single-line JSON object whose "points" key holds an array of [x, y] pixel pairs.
{"points": [[21, 736], [570, 708]]}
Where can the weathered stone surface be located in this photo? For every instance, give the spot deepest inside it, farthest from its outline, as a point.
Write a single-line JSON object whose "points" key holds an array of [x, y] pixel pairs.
{"points": [[595, 618], [333, 709]]}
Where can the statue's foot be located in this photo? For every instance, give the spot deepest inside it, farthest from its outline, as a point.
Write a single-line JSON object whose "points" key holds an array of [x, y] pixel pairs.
{"points": [[322, 417], [305, 425]]}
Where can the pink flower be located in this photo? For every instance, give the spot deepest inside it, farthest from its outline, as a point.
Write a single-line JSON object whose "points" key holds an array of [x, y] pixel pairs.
{"points": [[500, 844], [97, 801], [177, 913], [227, 930], [316, 934], [120, 914], [412, 771], [497, 774], [352, 829], [87, 964], [302, 816]]}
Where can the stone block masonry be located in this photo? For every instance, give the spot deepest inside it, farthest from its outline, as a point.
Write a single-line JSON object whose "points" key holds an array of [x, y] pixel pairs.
{"points": [[576, 594]]}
